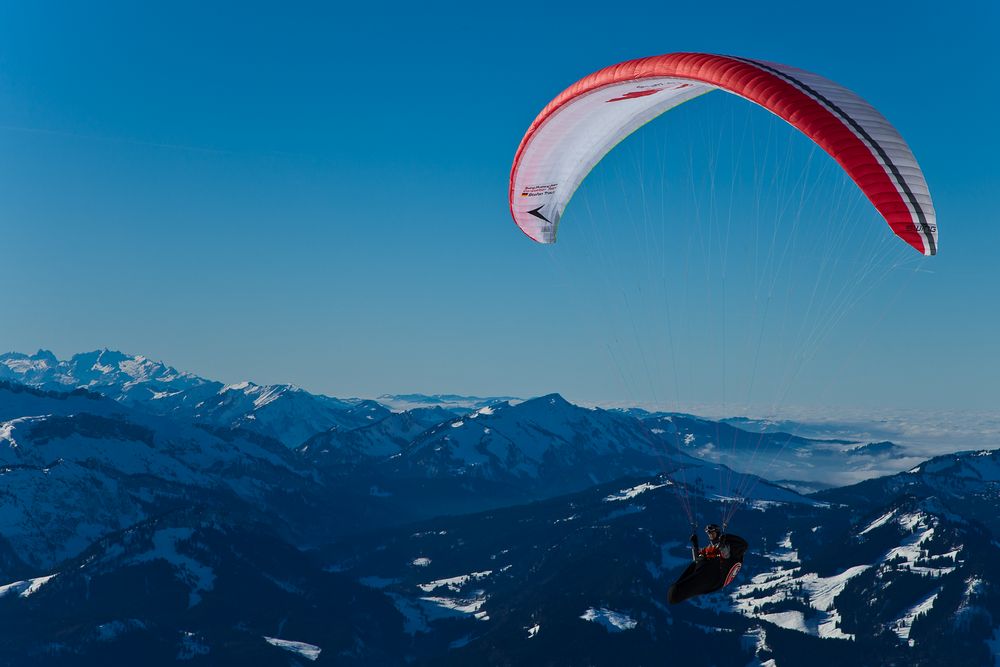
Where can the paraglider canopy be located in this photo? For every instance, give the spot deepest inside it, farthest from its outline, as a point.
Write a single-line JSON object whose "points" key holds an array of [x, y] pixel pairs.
{"points": [[578, 128]]}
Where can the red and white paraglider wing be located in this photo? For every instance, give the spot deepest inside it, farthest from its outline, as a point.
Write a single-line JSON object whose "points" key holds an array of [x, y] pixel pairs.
{"points": [[588, 119]]}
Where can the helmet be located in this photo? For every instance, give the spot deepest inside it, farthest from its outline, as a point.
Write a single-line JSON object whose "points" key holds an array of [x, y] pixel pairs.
{"points": [[712, 527]]}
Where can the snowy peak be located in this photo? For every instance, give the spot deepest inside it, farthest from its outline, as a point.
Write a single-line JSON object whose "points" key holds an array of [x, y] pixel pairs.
{"points": [[983, 466], [16, 364], [962, 476], [551, 409], [110, 368], [261, 395], [963, 484], [109, 371], [30, 370], [284, 412], [541, 440], [543, 443], [45, 356]]}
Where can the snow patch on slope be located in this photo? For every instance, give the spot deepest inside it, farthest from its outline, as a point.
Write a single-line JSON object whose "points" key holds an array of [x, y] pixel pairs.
{"points": [[628, 494], [200, 577], [307, 651], [612, 621], [881, 521], [443, 607], [775, 586], [902, 625], [454, 583], [23, 589]]}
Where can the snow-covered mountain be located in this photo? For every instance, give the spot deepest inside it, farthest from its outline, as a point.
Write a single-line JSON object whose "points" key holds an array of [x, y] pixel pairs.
{"points": [[539, 438], [402, 466], [888, 573], [122, 377], [292, 416], [82, 465], [285, 413], [578, 579], [342, 450], [78, 465], [192, 587], [506, 454], [75, 467], [966, 482], [582, 580]]}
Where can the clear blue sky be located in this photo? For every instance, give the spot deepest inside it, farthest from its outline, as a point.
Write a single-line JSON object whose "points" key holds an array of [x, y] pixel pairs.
{"points": [[316, 193]]}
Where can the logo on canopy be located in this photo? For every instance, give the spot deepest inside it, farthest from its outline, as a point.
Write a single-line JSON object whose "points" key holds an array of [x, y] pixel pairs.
{"points": [[633, 94], [537, 212]]}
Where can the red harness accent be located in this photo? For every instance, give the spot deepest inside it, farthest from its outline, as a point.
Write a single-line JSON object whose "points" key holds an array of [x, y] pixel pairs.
{"points": [[733, 571], [711, 551]]}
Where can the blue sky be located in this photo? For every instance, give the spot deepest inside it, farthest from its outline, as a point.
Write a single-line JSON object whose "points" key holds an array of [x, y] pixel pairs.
{"points": [[316, 194]]}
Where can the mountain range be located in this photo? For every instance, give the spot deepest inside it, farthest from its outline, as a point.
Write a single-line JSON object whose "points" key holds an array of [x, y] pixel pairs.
{"points": [[149, 512]]}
